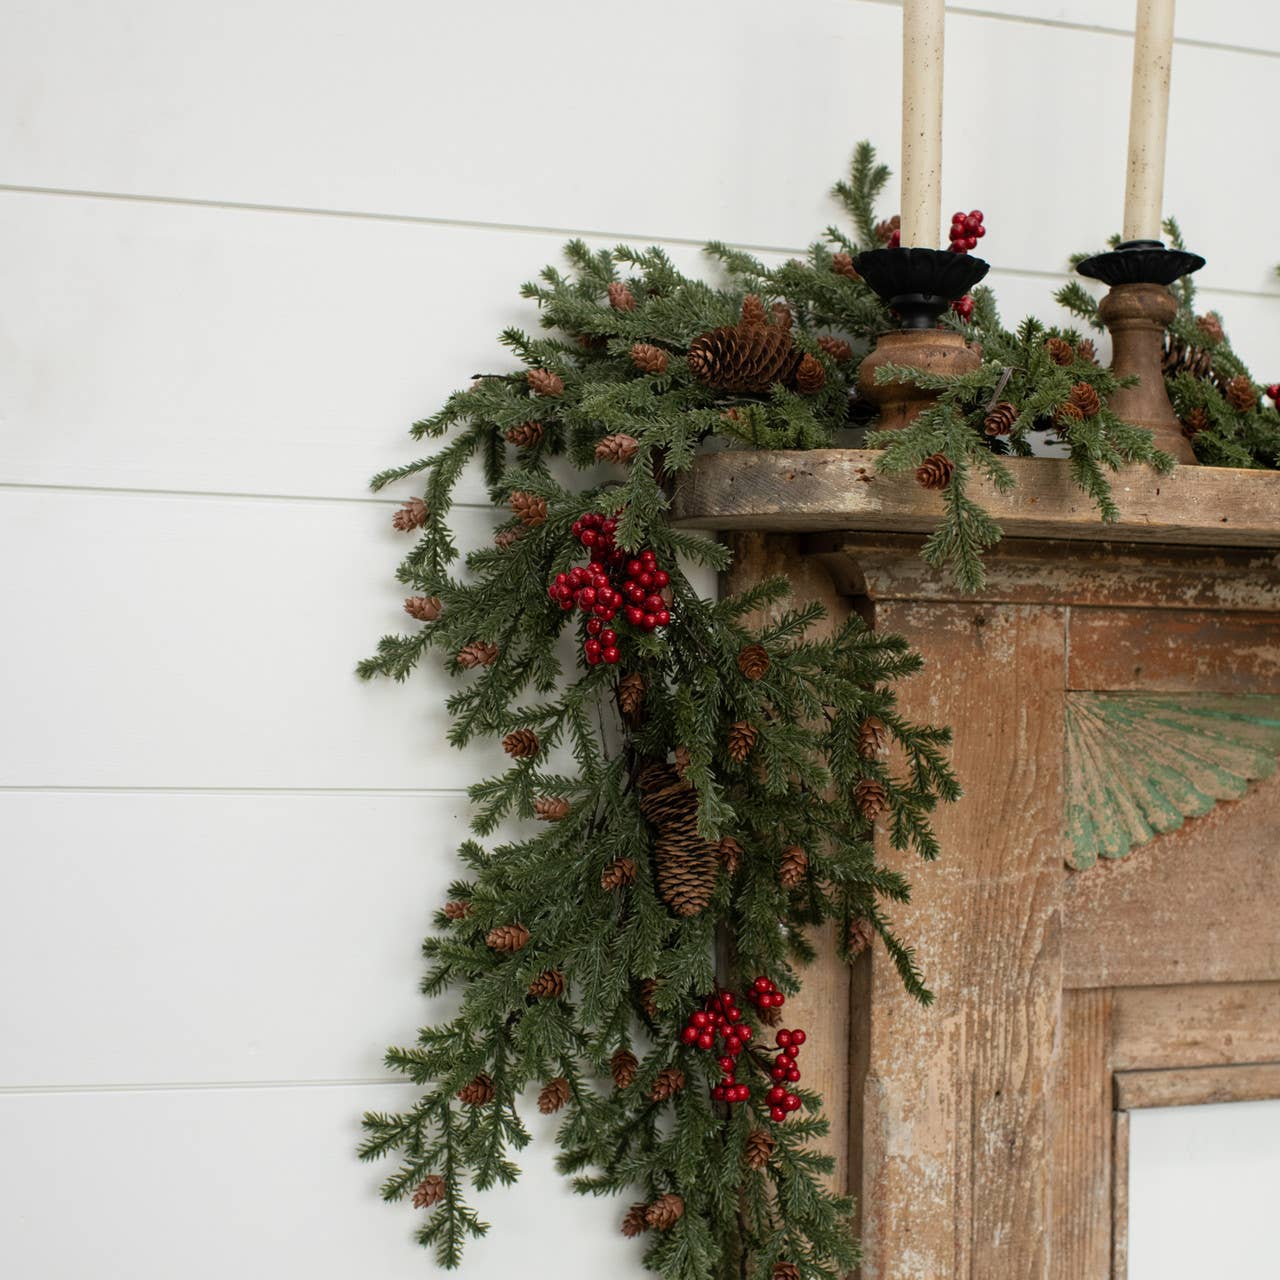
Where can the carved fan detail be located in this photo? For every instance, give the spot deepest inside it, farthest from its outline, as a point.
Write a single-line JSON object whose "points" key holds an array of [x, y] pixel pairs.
{"points": [[1138, 764]]}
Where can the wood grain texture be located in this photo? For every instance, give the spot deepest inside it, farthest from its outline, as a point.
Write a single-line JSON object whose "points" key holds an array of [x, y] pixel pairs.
{"points": [[838, 489], [1120, 1197], [1211, 1024], [1197, 1086]]}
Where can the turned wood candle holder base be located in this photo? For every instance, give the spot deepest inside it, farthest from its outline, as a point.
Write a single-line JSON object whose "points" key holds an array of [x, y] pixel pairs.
{"points": [[931, 350]]}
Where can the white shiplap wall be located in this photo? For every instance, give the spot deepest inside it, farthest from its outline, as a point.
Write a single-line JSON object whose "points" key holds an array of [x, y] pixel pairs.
{"points": [[241, 247]]}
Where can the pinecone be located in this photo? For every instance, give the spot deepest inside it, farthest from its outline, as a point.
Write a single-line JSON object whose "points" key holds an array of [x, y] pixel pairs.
{"points": [[752, 309], [793, 868], [665, 1212], [860, 935], [742, 740], [648, 992], [730, 854], [785, 1271], [753, 661], [1060, 351], [782, 316], [507, 937], [542, 382], [548, 985], [622, 1067], [551, 808], [1196, 421], [424, 608], [555, 1093], [1086, 399], [1210, 324], [429, 1191], [528, 508], [758, 1148], [412, 515], [508, 537], [524, 435], [1067, 414], [1180, 356], [837, 348], [685, 864], [457, 910], [617, 448], [743, 358], [842, 265], [480, 653], [935, 471], [811, 377], [669, 1082], [621, 871], [1085, 350], [631, 694], [1241, 394], [620, 297], [648, 358], [999, 422], [771, 1017], [521, 744], [871, 798], [885, 230], [478, 1092], [682, 760], [873, 736], [635, 1222]]}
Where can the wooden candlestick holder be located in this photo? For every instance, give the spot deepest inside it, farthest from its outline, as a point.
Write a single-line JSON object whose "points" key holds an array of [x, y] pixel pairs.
{"points": [[931, 350]]}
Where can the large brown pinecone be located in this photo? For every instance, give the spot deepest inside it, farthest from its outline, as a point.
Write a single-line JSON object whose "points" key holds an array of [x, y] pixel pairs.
{"points": [[1210, 324], [685, 864], [1060, 351], [665, 1212], [631, 693], [548, 985], [524, 435], [429, 1191], [743, 358], [457, 910], [758, 1148], [873, 736], [529, 508], [753, 661], [622, 1067], [1086, 399], [842, 265], [742, 740], [507, 937], [860, 935], [521, 744], [648, 358], [621, 871], [999, 422], [555, 1093], [785, 1271], [478, 1092], [871, 798], [811, 377], [412, 515], [634, 1222], [1241, 394], [542, 382], [620, 297], [935, 471], [480, 653], [1180, 356], [551, 808], [618, 447], [424, 608], [729, 852], [753, 311], [669, 1082], [1196, 421], [793, 867], [837, 348]]}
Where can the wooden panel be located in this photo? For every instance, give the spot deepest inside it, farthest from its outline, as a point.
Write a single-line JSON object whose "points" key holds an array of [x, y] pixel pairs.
{"points": [[1196, 905], [1195, 1026], [956, 1116], [1192, 651], [1120, 1197], [1198, 1086]]}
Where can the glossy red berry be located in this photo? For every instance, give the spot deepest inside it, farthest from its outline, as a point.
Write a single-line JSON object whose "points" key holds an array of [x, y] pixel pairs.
{"points": [[777, 1115], [798, 1037], [783, 1039], [792, 1103], [793, 1074], [778, 1073], [689, 1035], [706, 1040]]}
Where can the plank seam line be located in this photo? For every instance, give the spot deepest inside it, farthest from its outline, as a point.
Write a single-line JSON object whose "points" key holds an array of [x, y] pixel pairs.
{"points": [[19, 788], [196, 1086], [218, 494]]}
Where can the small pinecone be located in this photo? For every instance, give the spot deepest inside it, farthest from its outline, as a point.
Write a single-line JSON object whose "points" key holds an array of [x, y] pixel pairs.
{"points": [[759, 1147], [1060, 351], [743, 358], [782, 316], [1196, 421], [873, 735], [620, 297], [842, 265], [528, 508], [457, 910], [542, 382], [555, 1093], [424, 608], [617, 448], [1085, 350], [548, 985], [429, 1191], [551, 808], [621, 871], [635, 1221], [935, 471], [885, 230], [793, 868], [771, 1017], [871, 798], [631, 693], [480, 653], [837, 348], [1086, 399], [685, 865], [1067, 413], [999, 422], [648, 990], [622, 1067], [412, 515], [752, 309], [753, 661], [507, 937], [669, 1082], [1210, 325], [478, 1092], [508, 538], [742, 740], [861, 934], [1180, 356], [665, 1212], [682, 760], [524, 435], [785, 1271], [521, 744], [811, 377], [1241, 394], [730, 853], [648, 358]]}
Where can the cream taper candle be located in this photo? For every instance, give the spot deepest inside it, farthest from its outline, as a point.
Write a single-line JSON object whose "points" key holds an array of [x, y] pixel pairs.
{"points": [[1148, 119], [922, 33]]}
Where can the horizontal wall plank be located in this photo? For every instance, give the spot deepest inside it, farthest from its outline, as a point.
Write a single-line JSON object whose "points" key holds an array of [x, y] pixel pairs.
{"points": [[1197, 1086]]}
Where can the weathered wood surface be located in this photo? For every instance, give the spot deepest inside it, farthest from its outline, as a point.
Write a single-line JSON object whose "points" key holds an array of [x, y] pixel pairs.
{"points": [[835, 489], [1119, 1200], [1197, 1086]]}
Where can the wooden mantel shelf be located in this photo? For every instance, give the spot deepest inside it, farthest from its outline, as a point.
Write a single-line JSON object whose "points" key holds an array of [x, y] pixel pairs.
{"points": [[838, 489]]}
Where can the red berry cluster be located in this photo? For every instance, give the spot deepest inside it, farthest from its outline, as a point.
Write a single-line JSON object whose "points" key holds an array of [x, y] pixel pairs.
{"points": [[966, 230], [613, 580], [963, 307], [784, 1068], [764, 994], [1273, 391]]}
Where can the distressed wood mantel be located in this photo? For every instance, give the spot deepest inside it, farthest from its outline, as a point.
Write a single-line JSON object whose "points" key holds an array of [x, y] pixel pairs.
{"points": [[986, 1137]]}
